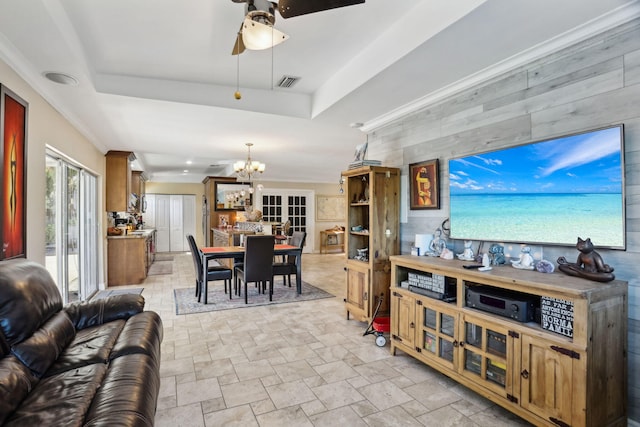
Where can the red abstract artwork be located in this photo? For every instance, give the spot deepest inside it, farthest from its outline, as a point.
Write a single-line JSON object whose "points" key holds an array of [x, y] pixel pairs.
{"points": [[13, 125]]}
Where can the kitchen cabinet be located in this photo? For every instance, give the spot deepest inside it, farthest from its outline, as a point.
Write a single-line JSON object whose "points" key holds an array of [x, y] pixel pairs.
{"points": [[129, 257], [565, 365], [372, 236], [138, 188], [118, 181]]}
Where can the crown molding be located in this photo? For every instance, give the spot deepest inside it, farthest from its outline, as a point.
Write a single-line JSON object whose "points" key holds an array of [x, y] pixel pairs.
{"points": [[617, 17]]}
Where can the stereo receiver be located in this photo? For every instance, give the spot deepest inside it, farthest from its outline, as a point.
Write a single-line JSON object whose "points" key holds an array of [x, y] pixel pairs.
{"points": [[514, 305]]}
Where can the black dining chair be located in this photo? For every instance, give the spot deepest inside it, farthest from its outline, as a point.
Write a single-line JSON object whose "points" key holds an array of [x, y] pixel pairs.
{"points": [[257, 266], [214, 272], [288, 266]]}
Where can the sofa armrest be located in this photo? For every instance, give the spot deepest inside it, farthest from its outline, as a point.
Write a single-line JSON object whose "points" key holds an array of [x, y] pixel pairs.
{"points": [[96, 312]]}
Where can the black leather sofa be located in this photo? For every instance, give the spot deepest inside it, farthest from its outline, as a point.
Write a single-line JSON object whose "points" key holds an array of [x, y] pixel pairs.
{"points": [[95, 363]]}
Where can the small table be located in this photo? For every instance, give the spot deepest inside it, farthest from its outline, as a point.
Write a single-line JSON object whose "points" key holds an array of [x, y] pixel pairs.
{"points": [[331, 239], [237, 252]]}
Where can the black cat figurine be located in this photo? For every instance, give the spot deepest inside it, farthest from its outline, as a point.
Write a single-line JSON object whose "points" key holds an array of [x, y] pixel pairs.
{"points": [[590, 264]]}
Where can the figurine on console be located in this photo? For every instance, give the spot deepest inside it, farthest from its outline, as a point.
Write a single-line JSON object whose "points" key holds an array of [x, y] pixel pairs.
{"points": [[438, 244], [525, 262], [496, 254], [467, 254], [589, 265]]}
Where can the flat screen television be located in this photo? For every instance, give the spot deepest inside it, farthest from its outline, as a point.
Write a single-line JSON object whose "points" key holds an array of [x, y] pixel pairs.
{"points": [[547, 192]]}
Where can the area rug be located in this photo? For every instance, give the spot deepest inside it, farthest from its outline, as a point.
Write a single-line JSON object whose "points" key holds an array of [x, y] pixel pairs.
{"points": [[160, 267], [110, 292], [164, 257], [187, 303]]}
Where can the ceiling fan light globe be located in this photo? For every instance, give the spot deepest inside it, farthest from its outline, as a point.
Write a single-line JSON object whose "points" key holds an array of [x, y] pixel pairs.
{"points": [[258, 36]]}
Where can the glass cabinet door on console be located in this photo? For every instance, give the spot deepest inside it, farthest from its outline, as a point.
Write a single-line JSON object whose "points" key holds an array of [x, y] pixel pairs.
{"points": [[437, 333], [486, 352]]}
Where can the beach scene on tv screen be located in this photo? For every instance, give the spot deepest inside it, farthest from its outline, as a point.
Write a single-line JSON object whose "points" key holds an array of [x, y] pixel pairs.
{"points": [[546, 192]]}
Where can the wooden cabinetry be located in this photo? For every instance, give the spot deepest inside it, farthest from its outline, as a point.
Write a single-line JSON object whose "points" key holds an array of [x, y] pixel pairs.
{"points": [[331, 240], [129, 258], [118, 180], [210, 217], [566, 365], [372, 236], [138, 188]]}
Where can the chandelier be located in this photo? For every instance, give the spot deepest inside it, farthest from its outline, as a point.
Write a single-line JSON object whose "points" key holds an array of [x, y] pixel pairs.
{"points": [[247, 169]]}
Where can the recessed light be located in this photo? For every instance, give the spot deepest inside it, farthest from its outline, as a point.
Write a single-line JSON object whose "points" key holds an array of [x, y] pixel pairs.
{"points": [[189, 162], [185, 171], [61, 78]]}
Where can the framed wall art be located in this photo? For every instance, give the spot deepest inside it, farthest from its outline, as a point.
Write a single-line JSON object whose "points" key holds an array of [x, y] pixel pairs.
{"points": [[13, 150], [424, 185], [330, 208]]}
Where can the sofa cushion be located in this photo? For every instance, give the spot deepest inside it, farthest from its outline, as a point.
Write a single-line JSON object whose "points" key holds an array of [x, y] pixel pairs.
{"points": [[131, 375], [41, 349], [141, 334], [16, 381], [96, 312], [90, 345], [25, 287], [60, 400]]}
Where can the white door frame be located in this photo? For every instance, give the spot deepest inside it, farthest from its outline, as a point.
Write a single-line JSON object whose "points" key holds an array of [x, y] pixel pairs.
{"points": [[311, 210]]}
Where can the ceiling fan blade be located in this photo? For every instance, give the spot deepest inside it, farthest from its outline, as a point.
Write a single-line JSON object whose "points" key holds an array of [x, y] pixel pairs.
{"points": [[238, 46], [291, 8]]}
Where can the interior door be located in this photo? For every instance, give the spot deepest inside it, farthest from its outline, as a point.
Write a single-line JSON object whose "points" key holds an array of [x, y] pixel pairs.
{"points": [[162, 223], [297, 206], [177, 239], [188, 218]]}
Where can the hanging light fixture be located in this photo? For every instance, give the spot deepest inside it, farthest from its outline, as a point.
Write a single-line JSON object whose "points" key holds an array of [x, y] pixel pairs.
{"points": [[257, 31], [245, 170], [258, 34]]}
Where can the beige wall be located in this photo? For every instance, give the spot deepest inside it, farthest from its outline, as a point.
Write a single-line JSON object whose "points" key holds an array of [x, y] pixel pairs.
{"points": [[47, 127]]}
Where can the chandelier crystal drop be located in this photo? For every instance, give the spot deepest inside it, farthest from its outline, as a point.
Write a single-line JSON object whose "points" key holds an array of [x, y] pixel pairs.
{"points": [[246, 170]]}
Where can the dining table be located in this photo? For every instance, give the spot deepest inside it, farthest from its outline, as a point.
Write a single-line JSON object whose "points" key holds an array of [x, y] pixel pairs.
{"points": [[237, 253]]}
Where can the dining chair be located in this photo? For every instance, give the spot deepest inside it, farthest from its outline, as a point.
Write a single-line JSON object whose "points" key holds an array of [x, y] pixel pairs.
{"points": [[214, 272], [284, 232], [258, 264], [288, 266]]}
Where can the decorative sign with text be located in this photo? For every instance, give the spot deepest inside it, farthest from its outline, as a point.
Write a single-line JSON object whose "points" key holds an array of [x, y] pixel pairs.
{"points": [[557, 315]]}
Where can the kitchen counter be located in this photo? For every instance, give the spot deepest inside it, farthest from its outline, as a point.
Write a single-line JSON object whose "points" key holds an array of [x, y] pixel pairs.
{"points": [[135, 234]]}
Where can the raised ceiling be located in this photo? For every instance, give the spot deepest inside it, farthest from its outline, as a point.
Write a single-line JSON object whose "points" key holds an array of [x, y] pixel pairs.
{"points": [[157, 76]]}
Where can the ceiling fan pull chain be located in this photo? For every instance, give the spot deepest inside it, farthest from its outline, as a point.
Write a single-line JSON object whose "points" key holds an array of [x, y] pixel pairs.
{"points": [[238, 95]]}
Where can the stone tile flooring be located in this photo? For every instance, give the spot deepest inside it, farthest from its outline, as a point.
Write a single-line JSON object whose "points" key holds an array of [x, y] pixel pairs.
{"points": [[296, 364]]}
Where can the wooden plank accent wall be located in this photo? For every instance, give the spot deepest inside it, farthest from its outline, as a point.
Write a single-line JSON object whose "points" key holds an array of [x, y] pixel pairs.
{"points": [[591, 84]]}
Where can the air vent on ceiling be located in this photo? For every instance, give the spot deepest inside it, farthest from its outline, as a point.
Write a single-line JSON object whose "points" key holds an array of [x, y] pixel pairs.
{"points": [[287, 81], [217, 170]]}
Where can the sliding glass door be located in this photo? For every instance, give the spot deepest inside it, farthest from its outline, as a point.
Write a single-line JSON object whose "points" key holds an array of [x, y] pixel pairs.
{"points": [[71, 231]]}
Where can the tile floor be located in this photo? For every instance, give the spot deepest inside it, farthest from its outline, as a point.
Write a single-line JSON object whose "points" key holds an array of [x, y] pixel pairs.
{"points": [[296, 364]]}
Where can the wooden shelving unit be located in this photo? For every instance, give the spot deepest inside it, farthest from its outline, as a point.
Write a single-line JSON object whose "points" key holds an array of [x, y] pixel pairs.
{"points": [[371, 237]]}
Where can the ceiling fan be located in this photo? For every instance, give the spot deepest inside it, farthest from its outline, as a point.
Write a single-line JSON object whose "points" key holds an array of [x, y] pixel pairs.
{"points": [[257, 32]]}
